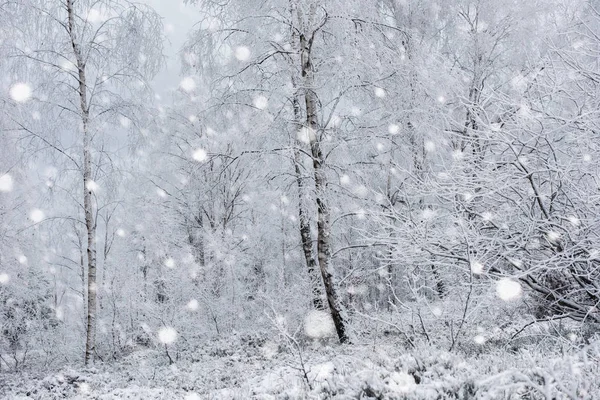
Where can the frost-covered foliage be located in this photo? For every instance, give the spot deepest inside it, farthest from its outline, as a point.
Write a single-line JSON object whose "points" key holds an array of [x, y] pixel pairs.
{"points": [[250, 367]]}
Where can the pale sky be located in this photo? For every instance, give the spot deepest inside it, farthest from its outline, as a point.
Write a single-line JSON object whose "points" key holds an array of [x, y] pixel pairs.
{"points": [[178, 21]]}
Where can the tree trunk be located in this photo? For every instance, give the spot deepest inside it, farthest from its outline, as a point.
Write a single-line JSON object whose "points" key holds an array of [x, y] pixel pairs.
{"points": [[305, 230], [195, 231], [323, 213], [90, 343], [199, 245]]}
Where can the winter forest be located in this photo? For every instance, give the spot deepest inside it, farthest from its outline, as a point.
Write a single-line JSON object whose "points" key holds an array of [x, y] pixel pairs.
{"points": [[300, 199]]}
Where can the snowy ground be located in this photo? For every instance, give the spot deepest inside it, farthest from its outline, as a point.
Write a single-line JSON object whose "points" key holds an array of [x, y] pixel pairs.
{"points": [[255, 368]]}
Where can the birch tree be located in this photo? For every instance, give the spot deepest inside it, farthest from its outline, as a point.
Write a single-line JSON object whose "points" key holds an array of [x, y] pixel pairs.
{"points": [[98, 57], [292, 56]]}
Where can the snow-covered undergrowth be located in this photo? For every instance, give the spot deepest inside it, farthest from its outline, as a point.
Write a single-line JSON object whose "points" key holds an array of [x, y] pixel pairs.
{"points": [[246, 367]]}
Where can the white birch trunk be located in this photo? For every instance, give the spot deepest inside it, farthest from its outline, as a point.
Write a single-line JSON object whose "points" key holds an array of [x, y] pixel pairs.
{"points": [[90, 343], [304, 219], [323, 213]]}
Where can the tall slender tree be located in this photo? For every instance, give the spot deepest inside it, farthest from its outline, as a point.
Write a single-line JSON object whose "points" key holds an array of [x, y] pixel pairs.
{"points": [[98, 56]]}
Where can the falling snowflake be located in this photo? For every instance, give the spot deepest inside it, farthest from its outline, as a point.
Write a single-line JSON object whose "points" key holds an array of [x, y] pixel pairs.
{"points": [[519, 82], [161, 193], [476, 267], [553, 236], [574, 220], [95, 16], [36, 215], [344, 179], [361, 214], [167, 335], [517, 263], [4, 278], [68, 66], [361, 191], [441, 99], [524, 111], [242, 53], [572, 337], [169, 263], [22, 259], [479, 339], [193, 305], [211, 24], [188, 84], [306, 135], [20, 92], [458, 155], [587, 158], [6, 183], [200, 155], [429, 146], [508, 289], [124, 121], [192, 396], [428, 213], [91, 186], [190, 59], [379, 92], [393, 129], [261, 102], [120, 232]]}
